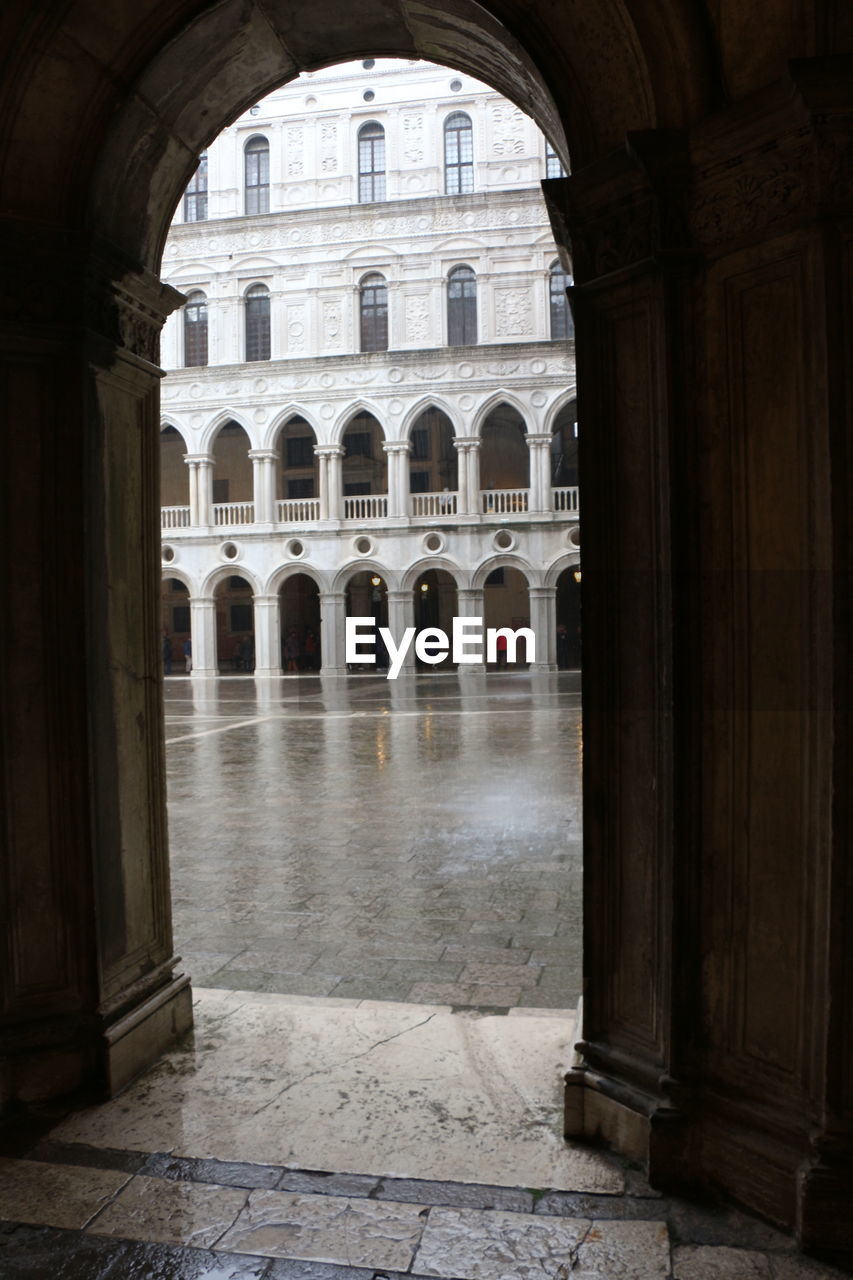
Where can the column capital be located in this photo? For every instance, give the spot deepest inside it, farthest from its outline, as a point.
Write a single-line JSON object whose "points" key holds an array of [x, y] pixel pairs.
{"points": [[265, 601], [539, 439], [263, 455], [397, 446], [199, 459], [332, 597], [541, 593], [202, 602], [328, 450], [467, 443], [398, 596]]}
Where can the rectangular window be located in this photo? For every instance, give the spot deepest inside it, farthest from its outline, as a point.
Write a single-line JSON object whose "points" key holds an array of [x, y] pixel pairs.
{"points": [[420, 481], [371, 164], [355, 490], [220, 491], [300, 451], [195, 199], [301, 488], [553, 166]]}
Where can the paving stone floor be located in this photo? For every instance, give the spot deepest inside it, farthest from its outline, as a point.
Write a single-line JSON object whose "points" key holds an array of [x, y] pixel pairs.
{"points": [[415, 840], [198, 1171]]}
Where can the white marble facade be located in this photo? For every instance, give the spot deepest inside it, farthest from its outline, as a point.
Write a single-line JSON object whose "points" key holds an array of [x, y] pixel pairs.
{"points": [[308, 255]]}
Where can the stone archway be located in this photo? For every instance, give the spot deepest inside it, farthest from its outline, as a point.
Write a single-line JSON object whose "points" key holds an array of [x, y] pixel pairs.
{"points": [[714, 1046]]}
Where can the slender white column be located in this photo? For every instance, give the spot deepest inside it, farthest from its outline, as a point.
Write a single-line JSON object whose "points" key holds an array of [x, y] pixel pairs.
{"points": [[397, 453], [332, 637], [193, 470], [267, 642], [401, 614], [461, 478], [271, 464], [543, 620], [539, 445], [474, 476], [203, 634], [336, 483], [323, 469], [470, 603], [202, 464], [259, 488]]}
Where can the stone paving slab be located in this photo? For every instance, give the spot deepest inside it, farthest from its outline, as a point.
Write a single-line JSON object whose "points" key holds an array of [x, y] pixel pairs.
{"points": [[437, 881]]}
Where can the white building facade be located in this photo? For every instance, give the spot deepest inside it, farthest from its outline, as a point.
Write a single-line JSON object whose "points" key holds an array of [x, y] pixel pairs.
{"points": [[370, 400]]}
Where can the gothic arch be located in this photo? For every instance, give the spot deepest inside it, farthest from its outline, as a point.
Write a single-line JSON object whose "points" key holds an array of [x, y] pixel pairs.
{"points": [[450, 411], [213, 428], [345, 420], [556, 407], [167, 421], [281, 420], [494, 402]]}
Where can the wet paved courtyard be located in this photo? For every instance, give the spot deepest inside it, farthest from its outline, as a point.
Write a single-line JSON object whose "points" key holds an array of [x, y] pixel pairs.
{"points": [[415, 840]]}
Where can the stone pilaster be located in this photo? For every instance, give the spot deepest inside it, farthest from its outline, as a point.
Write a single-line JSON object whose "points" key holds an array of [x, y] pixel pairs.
{"points": [[92, 992]]}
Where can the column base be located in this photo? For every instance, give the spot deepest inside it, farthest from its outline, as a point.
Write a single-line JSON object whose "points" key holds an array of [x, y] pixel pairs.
{"points": [[137, 1039], [66, 1054], [267, 673], [333, 671], [471, 669], [637, 1125], [205, 673]]}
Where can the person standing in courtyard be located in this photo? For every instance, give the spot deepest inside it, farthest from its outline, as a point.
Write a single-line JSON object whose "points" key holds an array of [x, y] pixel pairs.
{"points": [[188, 654]]}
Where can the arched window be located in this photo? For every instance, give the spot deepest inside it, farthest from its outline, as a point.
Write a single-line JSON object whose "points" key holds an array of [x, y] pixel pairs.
{"points": [[371, 163], [461, 307], [258, 322], [195, 329], [373, 308], [458, 154], [553, 164], [256, 160], [195, 197], [562, 325]]}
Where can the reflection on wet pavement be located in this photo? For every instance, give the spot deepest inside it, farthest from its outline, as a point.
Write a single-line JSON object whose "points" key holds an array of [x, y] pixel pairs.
{"points": [[413, 840]]}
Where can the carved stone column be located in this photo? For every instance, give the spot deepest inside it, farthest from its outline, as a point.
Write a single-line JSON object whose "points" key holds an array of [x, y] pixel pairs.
{"points": [[468, 449], [397, 453], [203, 631], [543, 621], [263, 477], [331, 480], [90, 991], [201, 487], [401, 614], [471, 604], [462, 476], [332, 635], [539, 446], [267, 636]]}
